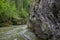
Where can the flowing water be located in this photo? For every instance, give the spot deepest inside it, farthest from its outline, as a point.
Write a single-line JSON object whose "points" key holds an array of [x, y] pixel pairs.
{"points": [[17, 32]]}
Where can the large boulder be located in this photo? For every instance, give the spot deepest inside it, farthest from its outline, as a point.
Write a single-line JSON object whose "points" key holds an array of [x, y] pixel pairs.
{"points": [[45, 18]]}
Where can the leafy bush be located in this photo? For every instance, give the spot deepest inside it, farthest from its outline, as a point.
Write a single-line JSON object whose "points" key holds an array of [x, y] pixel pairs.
{"points": [[7, 11], [24, 10], [14, 11]]}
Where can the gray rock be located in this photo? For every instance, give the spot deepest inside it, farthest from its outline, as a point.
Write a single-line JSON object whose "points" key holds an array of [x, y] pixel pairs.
{"points": [[45, 19]]}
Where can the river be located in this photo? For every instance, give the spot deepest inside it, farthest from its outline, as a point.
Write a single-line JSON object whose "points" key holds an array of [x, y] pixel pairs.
{"points": [[16, 32]]}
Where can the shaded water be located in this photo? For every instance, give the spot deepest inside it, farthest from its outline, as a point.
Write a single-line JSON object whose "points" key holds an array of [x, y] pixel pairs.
{"points": [[17, 32]]}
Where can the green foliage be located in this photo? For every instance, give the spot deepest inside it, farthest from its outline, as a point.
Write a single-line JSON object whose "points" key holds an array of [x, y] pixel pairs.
{"points": [[24, 13], [13, 10], [7, 11], [8, 8], [23, 8], [26, 9]]}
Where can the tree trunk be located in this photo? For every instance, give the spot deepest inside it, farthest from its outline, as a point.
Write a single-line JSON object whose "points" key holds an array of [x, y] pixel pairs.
{"points": [[44, 19]]}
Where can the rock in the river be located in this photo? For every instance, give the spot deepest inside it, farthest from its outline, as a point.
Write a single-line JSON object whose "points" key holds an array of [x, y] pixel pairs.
{"points": [[45, 18]]}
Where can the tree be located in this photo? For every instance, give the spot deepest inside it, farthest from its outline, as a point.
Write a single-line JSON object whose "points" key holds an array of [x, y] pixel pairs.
{"points": [[44, 19]]}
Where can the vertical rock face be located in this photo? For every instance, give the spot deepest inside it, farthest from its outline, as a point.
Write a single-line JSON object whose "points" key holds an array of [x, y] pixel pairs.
{"points": [[44, 19]]}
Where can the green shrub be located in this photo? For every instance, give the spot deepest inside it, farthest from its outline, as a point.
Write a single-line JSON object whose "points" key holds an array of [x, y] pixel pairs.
{"points": [[14, 12]]}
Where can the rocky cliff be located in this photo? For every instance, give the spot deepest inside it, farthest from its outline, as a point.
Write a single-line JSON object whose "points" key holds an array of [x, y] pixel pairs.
{"points": [[45, 18]]}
